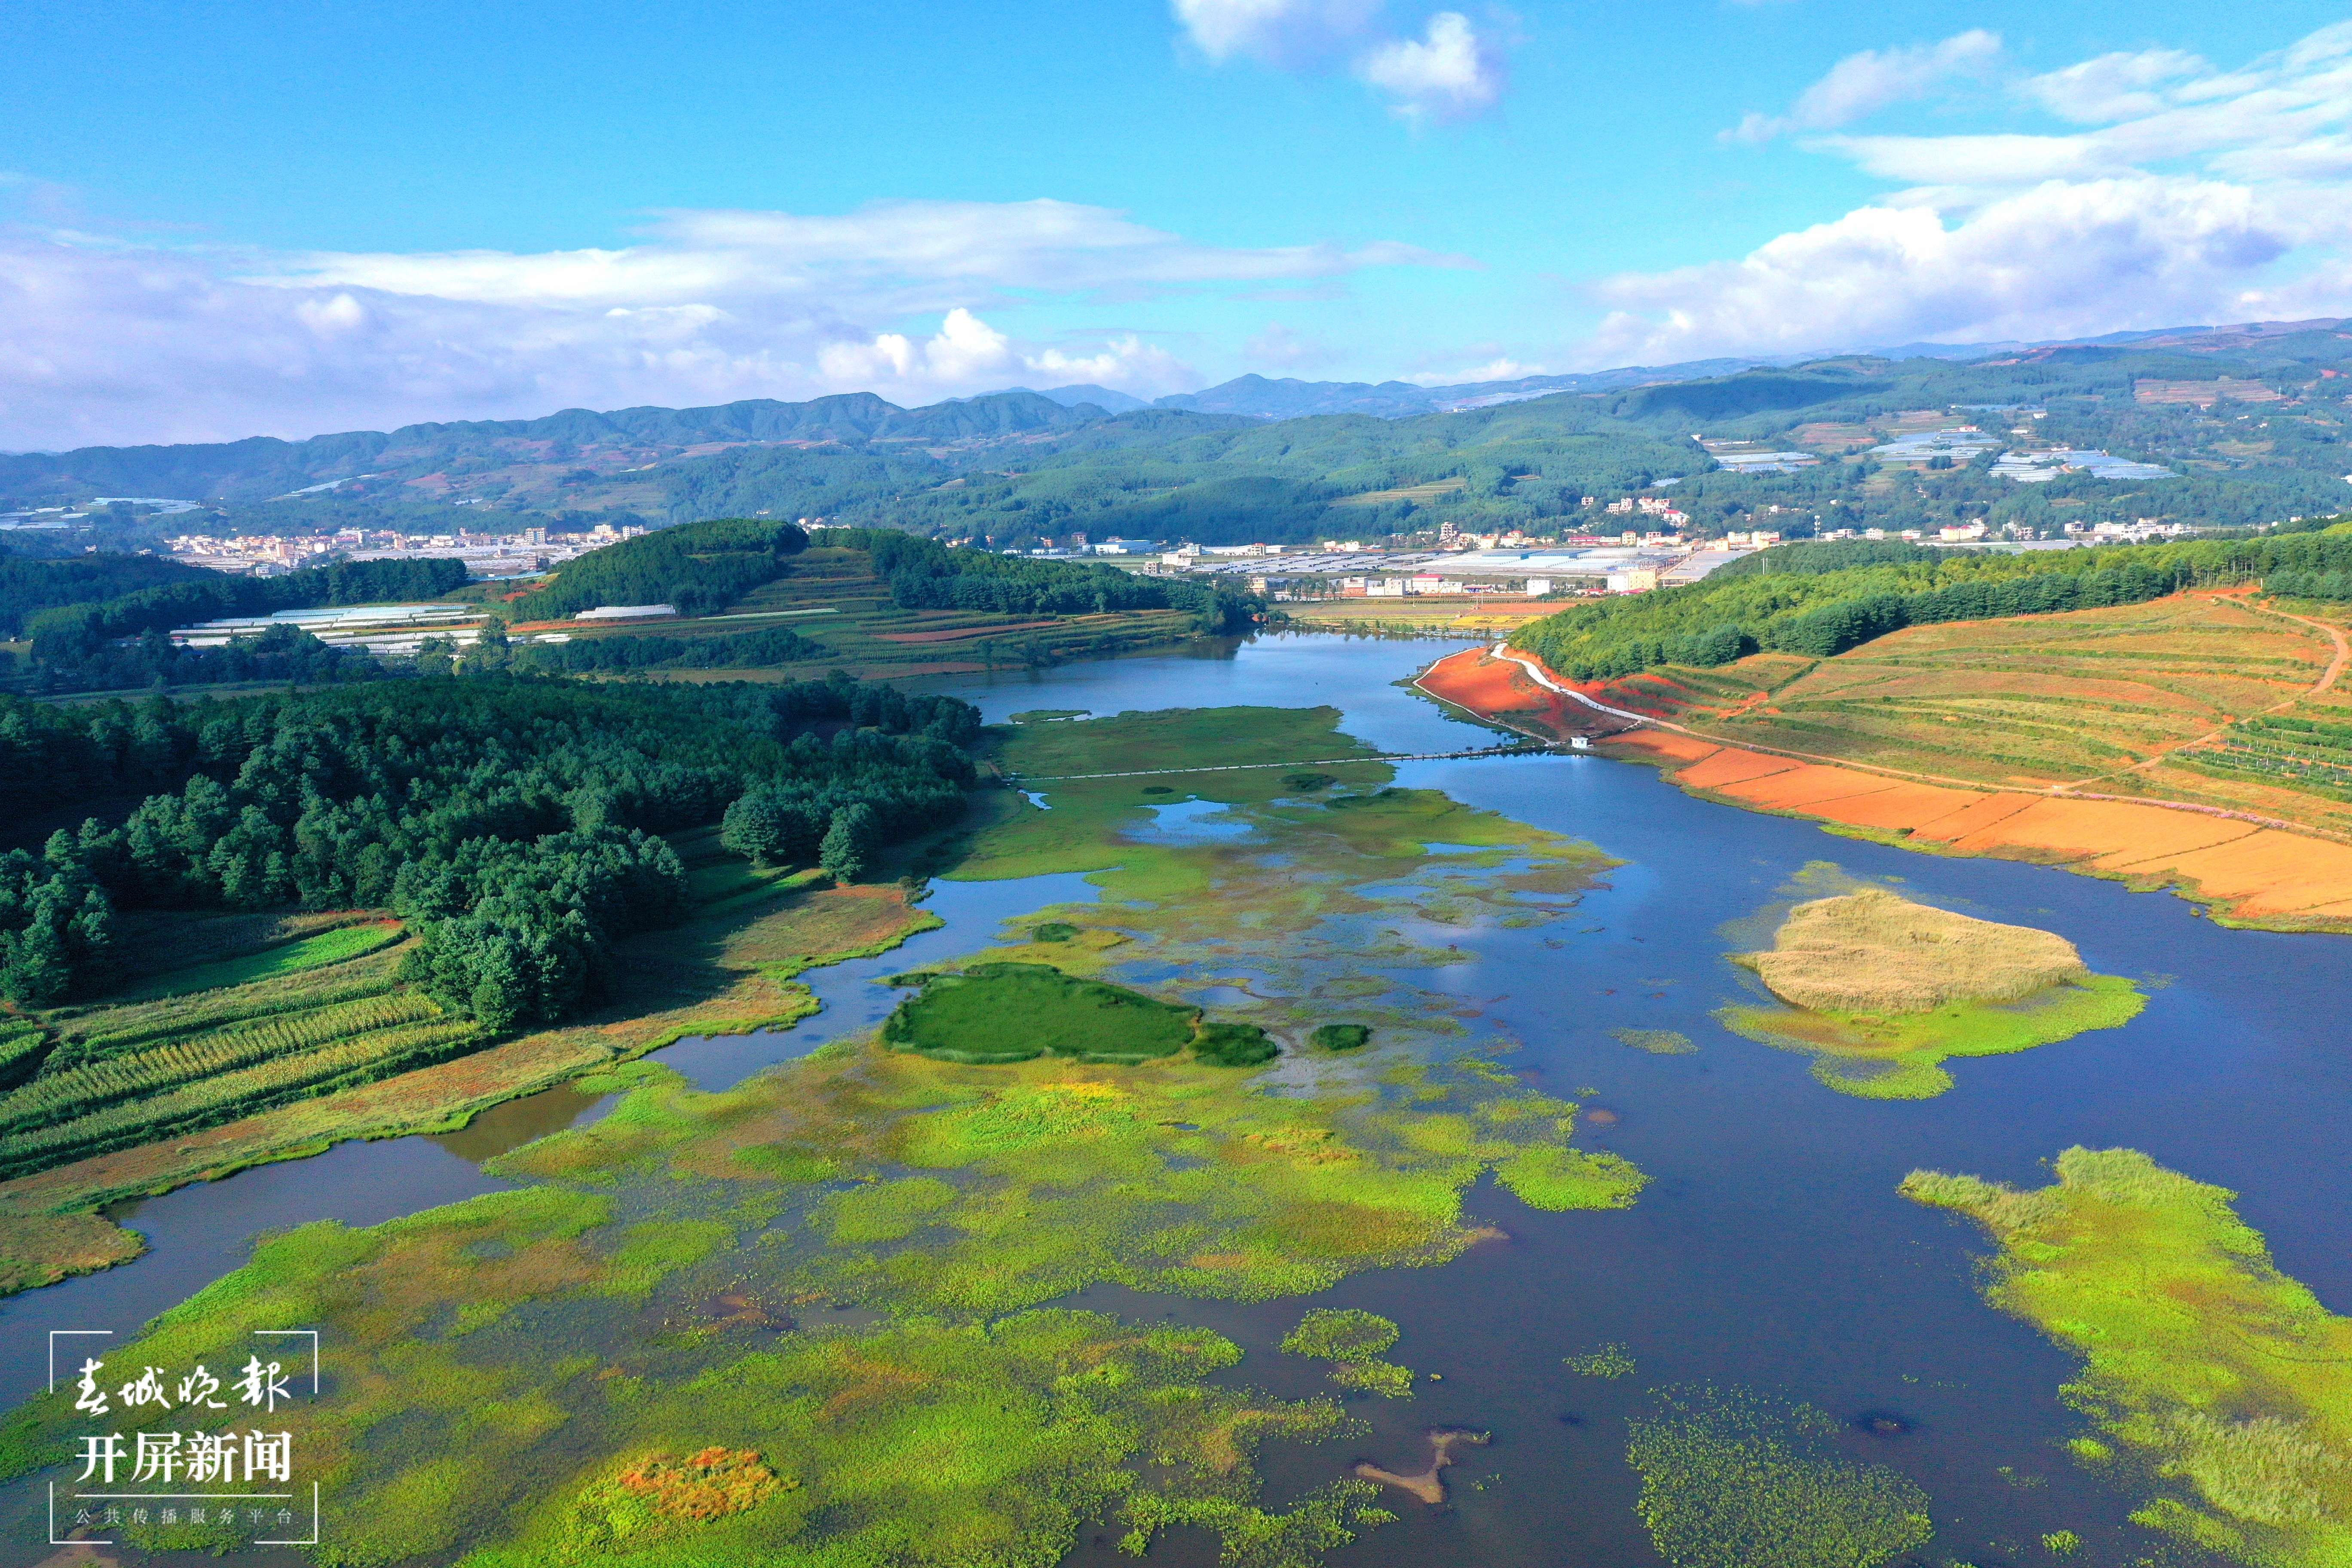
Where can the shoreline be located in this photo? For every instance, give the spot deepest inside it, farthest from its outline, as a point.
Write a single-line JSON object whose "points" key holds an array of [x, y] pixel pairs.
{"points": [[2246, 871]]}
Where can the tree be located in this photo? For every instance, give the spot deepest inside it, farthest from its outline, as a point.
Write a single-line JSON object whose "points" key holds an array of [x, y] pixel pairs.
{"points": [[843, 853]]}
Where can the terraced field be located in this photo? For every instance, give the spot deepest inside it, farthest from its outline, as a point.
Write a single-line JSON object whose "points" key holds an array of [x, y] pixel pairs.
{"points": [[834, 599], [112, 1075], [2028, 702]]}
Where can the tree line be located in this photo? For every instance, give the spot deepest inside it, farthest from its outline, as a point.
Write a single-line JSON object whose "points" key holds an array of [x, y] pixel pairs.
{"points": [[514, 823]]}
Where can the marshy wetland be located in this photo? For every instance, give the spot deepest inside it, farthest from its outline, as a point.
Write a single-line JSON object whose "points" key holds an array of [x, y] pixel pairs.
{"points": [[1517, 1193]]}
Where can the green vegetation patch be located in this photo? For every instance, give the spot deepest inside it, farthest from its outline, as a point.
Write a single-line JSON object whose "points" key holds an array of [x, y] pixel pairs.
{"points": [[1343, 1334], [1609, 1361], [1015, 1011], [1733, 1480], [1232, 1045], [1352, 1341], [1883, 991], [1340, 1037], [1657, 1042], [2224, 1385], [328, 947]]}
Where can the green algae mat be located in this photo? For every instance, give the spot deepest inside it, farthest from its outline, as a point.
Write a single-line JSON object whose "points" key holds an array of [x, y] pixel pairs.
{"points": [[817, 1319], [2221, 1387]]}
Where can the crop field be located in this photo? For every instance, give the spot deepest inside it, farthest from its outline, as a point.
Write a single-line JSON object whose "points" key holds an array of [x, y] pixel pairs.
{"points": [[2029, 700], [142, 1095], [834, 599], [205, 1045]]}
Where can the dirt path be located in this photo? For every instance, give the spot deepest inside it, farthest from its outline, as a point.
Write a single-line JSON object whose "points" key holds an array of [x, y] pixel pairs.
{"points": [[2326, 680]]}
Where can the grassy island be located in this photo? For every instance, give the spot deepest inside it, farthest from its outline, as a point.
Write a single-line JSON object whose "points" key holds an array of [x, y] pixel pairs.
{"points": [[2223, 1388], [1884, 990]]}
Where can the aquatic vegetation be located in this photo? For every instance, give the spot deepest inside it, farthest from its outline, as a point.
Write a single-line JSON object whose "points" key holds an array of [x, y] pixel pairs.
{"points": [[1546, 1176], [1657, 1042], [1609, 1361], [1013, 1011], [1384, 1378], [1340, 1038], [1733, 1480], [2222, 1386], [1352, 1340], [1884, 990], [1252, 1538], [1052, 931], [1346, 1333], [2062, 1542]]}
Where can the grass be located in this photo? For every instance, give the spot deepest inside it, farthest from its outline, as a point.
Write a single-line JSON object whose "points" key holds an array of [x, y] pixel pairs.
{"points": [[328, 947], [1874, 951], [2223, 1386], [1013, 1012], [1733, 1480], [1884, 991]]}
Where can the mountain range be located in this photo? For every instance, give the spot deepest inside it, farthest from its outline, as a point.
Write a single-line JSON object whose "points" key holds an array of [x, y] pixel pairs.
{"points": [[579, 458]]}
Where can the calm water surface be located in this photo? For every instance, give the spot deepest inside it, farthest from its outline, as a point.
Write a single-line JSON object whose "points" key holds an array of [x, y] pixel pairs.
{"points": [[1771, 1249]]}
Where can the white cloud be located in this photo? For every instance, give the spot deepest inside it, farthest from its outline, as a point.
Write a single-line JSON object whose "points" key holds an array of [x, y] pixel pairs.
{"points": [[2179, 193], [2114, 87], [2059, 260], [1284, 33], [102, 342], [1450, 71], [1448, 74], [1862, 84]]}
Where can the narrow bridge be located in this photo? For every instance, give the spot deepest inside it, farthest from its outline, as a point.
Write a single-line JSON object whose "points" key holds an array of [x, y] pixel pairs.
{"points": [[1516, 749]]}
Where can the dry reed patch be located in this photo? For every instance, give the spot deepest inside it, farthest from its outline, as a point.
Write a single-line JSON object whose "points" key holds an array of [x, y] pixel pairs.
{"points": [[1873, 952]]}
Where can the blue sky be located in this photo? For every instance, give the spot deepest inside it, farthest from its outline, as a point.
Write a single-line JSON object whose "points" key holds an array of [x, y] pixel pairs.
{"points": [[218, 220]]}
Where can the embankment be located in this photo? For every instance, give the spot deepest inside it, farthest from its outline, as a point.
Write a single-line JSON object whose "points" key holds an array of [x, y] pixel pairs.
{"points": [[2249, 871]]}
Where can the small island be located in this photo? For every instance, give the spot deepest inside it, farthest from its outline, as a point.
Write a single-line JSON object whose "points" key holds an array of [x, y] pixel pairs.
{"points": [[1883, 990]]}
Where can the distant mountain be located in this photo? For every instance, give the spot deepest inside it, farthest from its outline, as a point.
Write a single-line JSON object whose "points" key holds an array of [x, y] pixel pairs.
{"points": [[1259, 398], [261, 467], [1109, 400]]}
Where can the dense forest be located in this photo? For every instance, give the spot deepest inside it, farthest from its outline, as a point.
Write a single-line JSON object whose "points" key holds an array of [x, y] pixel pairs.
{"points": [[1821, 599], [512, 822], [28, 585]]}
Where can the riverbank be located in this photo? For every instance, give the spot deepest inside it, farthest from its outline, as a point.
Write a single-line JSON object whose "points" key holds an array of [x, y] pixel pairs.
{"points": [[2247, 870]]}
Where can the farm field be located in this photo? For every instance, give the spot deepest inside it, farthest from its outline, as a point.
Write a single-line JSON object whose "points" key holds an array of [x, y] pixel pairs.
{"points": [[2027, 702], [189, 1084]]}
